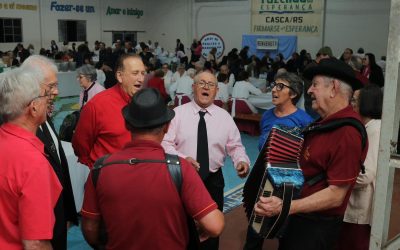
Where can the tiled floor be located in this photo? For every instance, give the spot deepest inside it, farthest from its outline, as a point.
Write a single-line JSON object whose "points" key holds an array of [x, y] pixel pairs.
{"points": [[233, 184]]}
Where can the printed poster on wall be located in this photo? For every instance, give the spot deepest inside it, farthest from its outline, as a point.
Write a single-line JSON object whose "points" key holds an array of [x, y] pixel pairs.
{"points": [[287, 17]]}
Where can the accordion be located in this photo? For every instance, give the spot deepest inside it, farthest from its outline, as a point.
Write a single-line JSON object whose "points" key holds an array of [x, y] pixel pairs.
{"points": [[276, 172]]}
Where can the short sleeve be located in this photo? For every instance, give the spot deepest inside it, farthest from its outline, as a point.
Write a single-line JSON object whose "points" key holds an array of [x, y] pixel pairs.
{"points": [[90, 208], [39, 194], [345, 162], [195, 197]]}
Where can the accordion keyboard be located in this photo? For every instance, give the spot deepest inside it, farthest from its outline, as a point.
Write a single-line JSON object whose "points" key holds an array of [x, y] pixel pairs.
{"points": [[258, 220]]}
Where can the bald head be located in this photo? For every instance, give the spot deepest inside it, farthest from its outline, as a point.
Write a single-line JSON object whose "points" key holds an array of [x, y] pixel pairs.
{"points": [[205, 88]]}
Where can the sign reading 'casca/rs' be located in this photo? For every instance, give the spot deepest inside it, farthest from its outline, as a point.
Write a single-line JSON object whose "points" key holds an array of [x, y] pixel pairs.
{"points": [[291, 17], [267, 43], [212, 40]]}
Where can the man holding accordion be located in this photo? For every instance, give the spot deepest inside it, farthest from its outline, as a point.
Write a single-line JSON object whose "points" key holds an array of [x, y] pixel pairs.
{"points": [[334, 149]]}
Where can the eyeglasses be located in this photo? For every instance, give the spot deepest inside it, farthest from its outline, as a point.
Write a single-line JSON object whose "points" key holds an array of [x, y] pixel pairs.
{"points": [[46, 94], [51, 86], [80, 77], [279, 86], [210, 85]]}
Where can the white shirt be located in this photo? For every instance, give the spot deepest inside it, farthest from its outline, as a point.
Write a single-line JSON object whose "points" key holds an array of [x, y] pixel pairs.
{"points": [[222, 93], [230, 82], [183, 86], [157, 51], [243, 89], [360, 208], [180, 54], [177, 76], [168, 77], [101, 77]]}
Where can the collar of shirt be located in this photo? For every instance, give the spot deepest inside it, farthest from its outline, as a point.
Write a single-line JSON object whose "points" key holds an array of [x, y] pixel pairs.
{"points": [[123, 94], [143, 143], [196, 108], [24, 134], [346, 112]]}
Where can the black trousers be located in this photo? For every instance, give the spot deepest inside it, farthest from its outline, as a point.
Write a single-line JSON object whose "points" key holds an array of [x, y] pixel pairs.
{"points": [[215, 186], [311, 232]]}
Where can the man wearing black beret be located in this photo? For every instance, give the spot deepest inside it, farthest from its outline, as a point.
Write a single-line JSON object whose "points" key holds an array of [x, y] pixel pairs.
{"points": [[330, 159]]}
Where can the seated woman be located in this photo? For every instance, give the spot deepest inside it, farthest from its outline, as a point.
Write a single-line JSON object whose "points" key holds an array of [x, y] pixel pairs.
{"points": [[222, 93], [182, 90], [243, 88], [87, 77], [356, 228], [286, 92]]}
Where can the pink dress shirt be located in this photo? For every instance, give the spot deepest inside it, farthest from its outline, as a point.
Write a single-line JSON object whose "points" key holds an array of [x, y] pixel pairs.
{"points": [[97, 88], [222, 134]]}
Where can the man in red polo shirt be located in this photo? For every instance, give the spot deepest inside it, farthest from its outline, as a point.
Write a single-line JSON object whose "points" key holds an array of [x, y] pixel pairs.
{"points": [[139, 203], [337, 154], [29, 188], [101, 129]]}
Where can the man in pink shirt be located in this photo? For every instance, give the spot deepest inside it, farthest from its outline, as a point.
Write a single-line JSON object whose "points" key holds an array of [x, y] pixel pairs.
{"points": [[223, 138]]}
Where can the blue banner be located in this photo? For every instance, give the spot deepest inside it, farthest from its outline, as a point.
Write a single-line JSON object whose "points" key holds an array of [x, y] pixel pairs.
{"points": [[286, 45]]}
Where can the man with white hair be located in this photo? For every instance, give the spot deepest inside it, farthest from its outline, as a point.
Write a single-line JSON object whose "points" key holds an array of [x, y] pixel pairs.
{"points": [[29, 188], [331, 157], [65, 210]]}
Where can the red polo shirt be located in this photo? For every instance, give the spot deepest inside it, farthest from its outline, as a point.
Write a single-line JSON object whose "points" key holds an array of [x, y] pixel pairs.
{"points": [[29, 188], [101, 128], [158, 83], [338, 153], [140, 203]]}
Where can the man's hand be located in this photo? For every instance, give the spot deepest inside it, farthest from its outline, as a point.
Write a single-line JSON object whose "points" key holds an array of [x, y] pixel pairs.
{"points": [[194, 163], [268, 206], [242, 169]]}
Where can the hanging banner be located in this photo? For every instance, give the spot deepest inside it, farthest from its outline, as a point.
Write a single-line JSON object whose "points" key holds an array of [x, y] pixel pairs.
{"points": [[287, 17]]}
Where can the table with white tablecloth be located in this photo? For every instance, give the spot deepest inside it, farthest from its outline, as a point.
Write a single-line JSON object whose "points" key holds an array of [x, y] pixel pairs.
{"points": [[68, 84], [263, 101], [78, 173]]}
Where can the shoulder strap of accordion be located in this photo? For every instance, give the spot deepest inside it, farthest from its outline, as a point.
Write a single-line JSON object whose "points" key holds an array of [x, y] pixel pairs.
{"points": [[172, 162], [174, 168], [313, 127]]}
